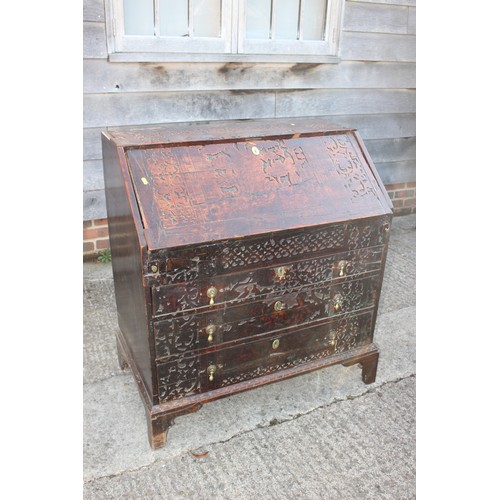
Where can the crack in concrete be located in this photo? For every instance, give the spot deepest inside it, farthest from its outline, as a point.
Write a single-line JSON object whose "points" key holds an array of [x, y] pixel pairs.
{"points": [[120, 473], [271, 423], [276, 421]]}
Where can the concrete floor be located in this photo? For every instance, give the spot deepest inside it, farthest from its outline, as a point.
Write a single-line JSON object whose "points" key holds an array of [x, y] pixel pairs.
{"points": [[324, 435]]}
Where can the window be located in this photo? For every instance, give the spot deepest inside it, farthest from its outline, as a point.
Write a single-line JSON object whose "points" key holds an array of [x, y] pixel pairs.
{"points": [[224, 30]]}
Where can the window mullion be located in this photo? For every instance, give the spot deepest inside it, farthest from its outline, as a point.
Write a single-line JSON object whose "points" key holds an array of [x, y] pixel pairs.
{"points": [[326, 21], [190, 18], [156, 18], [221, 18], [299, 21], [272, 23]]}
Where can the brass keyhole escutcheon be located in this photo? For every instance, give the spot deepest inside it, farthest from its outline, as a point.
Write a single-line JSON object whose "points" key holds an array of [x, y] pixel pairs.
{"points": [[154, 268], [279, 306], [281, 272], [211, 371], [342, 266], [210, 330], [211, 293], [275, 344]]}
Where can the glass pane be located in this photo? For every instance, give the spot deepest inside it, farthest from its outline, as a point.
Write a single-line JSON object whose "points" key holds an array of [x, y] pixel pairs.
{"points": [[138, 17], [313, 20], [206, 17], [286, 19], [258, 19], [174, 18]]}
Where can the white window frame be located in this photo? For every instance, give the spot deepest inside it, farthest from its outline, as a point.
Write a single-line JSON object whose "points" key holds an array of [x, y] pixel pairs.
{"points": [[232, 46], [137, 43]]}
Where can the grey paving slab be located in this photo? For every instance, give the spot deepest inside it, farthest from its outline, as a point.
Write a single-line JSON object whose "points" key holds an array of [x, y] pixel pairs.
{"points": [[116, 451], [100, 324], [360, 448], [398, 289]]}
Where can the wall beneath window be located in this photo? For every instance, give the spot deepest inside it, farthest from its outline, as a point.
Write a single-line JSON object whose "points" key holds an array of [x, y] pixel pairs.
{"points": [[372, 89]]}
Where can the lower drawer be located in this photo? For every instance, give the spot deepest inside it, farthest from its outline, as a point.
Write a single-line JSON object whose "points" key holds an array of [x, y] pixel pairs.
{"points": [[208, 371]]}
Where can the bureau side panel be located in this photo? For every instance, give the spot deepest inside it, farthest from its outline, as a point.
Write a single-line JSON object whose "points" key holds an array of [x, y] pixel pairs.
{"points": [[128, 250], [378, 291], [364, 152]]}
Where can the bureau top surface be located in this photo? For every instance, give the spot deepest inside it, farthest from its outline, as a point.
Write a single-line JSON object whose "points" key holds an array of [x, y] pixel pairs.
{"points": [[210, 183], [221, 130]]}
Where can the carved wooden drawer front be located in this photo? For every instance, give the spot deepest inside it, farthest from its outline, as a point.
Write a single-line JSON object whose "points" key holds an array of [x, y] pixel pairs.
{"points": [[186, 265], [182, 377], [192, 374], [183, 333], [277, 353], [256, 284]]}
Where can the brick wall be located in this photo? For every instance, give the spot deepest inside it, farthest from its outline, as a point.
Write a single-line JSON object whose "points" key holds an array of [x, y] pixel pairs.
{"points": [[95, 237], [403, 197], [95, 232]]}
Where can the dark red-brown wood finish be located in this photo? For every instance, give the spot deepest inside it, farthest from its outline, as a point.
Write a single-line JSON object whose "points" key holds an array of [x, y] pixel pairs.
{"points": [[244, 252]]}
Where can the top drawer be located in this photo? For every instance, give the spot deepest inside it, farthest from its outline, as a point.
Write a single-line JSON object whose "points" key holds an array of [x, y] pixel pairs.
{"points": [[266, 282], [187, 264]]}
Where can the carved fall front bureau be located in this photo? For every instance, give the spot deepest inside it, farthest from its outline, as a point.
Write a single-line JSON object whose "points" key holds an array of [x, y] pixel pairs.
{"points": [[244, 252]]}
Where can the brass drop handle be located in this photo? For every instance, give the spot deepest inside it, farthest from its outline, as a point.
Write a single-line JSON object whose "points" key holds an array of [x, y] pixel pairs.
{"points": [[211, 293], [331, 339], [211, 371], [279, 306], [275, 344], [337, 302], [210, 330], [342, 266], [281, 272]]}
